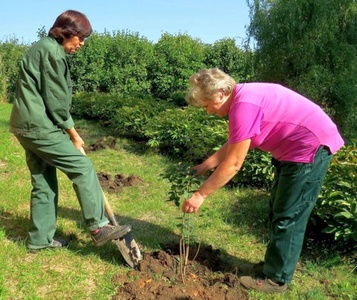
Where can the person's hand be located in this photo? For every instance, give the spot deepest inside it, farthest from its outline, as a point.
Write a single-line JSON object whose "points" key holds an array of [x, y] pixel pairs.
{"points": [[76, 139], [200, 169], [78, 143], [193, 204]]}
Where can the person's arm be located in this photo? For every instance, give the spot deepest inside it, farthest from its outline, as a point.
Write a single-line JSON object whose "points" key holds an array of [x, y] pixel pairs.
{"points": [[229, 166], [56, 88], [212, 162]]}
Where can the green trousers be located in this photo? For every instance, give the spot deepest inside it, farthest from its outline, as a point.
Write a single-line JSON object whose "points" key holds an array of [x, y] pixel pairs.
{"points": [[294, 193], [44, 157]]}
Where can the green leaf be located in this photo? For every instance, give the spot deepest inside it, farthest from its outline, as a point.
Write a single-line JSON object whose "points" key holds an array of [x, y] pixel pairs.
{"points": [[344, 214]]}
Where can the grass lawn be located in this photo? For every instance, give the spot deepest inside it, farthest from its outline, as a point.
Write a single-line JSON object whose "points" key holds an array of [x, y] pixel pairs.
{"points": [[233, 221]]}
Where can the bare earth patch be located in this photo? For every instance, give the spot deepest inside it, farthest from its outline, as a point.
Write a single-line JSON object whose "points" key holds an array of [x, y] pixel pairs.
{"points": [[103, 143], [118, 182], [109, 184], [159, 277]]}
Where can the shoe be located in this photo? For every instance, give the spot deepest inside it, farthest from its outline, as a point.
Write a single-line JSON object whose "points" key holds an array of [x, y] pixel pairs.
{"points": [[252, 269], [55, 245], [108, 233], [263, 284]]}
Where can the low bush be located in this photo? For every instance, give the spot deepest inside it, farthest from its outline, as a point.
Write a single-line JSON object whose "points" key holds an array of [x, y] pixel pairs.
{"points": [[186, 133], [257, 170], [134, 115], [97, 106], [337, 204]]}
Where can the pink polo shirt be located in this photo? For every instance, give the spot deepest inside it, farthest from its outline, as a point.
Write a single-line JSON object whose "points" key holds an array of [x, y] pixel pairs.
{"points": [[280, 121]]}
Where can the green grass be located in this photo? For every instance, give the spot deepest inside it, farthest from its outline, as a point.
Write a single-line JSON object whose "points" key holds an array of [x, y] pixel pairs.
{"points": [[232, 221]]}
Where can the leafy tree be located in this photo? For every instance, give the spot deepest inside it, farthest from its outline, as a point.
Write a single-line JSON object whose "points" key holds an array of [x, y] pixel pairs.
{"points": [[177, 57], [310, 46], [227, 56]]}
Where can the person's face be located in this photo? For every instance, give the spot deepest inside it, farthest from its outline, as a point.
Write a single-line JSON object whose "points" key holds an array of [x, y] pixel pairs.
{"points": [[72, 44], [216, 105]]}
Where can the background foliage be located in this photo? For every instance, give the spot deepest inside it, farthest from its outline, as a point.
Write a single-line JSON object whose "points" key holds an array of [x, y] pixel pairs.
{"points": [[113, 63], [337, 206], [310, 46], [11, 53], [137, 87]]}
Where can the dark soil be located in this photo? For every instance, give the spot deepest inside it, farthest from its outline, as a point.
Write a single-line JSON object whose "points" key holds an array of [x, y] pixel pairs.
{"points": [[118, 182], [102, 143], [159, 277]]}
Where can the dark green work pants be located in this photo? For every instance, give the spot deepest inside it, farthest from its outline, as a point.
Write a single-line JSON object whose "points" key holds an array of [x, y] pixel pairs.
{"points": [[43, 157], [294, 193]]}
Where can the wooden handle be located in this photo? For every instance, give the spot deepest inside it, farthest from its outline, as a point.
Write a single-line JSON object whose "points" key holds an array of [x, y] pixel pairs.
{"points": [[109, 211], [107, 207]]}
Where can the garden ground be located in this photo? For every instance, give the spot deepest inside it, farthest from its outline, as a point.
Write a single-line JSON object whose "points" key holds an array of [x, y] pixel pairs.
{"points": [[160, 275]]}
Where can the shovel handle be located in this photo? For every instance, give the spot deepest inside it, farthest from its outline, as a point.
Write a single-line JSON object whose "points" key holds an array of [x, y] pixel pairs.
{"points": [[107, 207], [109, 211]]}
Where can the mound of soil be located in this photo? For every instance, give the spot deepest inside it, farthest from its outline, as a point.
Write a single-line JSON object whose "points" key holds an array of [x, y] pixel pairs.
{"points": [[119, 181], [102, 143], [160, 277]]}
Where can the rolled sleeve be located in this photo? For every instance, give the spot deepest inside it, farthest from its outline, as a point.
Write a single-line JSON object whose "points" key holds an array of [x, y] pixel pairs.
{"points": [[68, 124]]}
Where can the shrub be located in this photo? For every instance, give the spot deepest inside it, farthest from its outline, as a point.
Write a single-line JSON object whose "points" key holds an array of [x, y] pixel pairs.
{"points": [[133, 116], [127, 116], [177, 57], [337, 204], [11, 53], [225, 54], [97, 106], [257, 170], [186, 133], [113, 63]]}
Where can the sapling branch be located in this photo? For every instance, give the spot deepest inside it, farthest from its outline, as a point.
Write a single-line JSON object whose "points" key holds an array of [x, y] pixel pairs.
{"points": [[183, 183], [185, 242]]}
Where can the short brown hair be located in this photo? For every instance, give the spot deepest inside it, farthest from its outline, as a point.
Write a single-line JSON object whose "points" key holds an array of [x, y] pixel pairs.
{"points": [[70, 23]]}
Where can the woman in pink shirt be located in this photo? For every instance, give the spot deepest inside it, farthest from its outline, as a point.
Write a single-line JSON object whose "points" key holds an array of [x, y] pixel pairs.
{"points": [[301, 138]]}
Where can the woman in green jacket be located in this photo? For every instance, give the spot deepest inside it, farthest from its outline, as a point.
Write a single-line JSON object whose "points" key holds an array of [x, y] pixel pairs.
{"points": [[42, 123]]}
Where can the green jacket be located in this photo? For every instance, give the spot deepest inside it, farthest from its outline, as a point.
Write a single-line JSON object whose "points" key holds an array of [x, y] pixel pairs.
{"points": [[43, 96]]}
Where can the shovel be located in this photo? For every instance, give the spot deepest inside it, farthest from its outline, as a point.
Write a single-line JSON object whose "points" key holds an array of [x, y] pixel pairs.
{"points": [[126, 244]]}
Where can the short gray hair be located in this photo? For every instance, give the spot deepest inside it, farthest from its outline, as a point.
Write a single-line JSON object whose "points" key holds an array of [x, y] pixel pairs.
{"points": [[205, 83]]}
